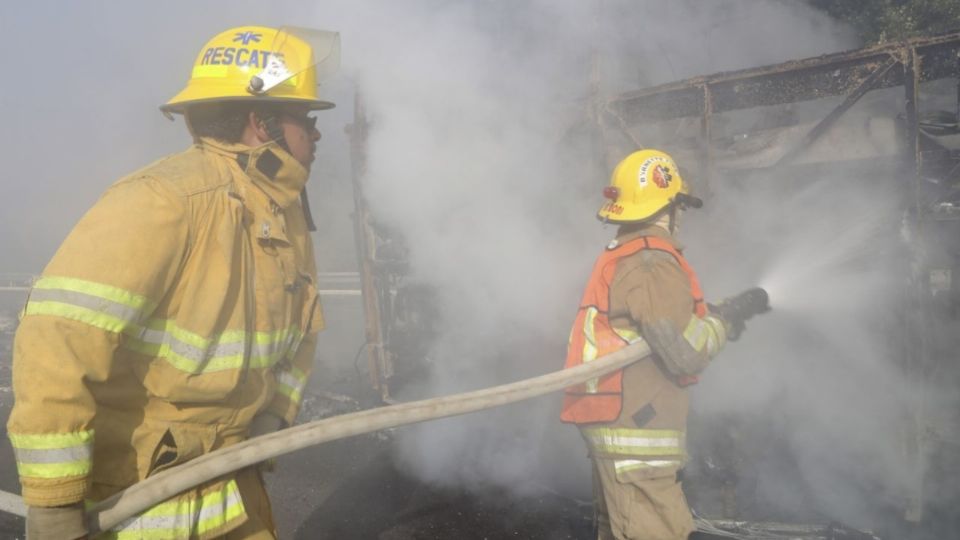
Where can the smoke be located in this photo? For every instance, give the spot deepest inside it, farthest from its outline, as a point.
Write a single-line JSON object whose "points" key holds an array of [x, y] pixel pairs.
{"points": [[817, 375], [468, 159], [476, 155]]}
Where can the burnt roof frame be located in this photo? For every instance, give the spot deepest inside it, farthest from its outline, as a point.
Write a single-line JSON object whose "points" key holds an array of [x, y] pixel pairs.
{"points": [[789, 82], [849, 73]]}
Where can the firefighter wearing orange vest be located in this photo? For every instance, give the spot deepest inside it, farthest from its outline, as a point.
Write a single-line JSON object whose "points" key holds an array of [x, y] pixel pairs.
{"points": [[642, 288], [181, 313]]}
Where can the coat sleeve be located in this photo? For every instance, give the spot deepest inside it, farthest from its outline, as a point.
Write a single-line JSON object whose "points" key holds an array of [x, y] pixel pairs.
{"points": [[292, 378], [293, 375], [659, 299], [104, 281]]}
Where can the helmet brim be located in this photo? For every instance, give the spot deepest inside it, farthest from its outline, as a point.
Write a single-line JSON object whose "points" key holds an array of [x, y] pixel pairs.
{"points": [[180, 107]]}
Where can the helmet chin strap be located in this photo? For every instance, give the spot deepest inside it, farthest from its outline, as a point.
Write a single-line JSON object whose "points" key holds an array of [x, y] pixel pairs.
{"points": [[275, 132]]}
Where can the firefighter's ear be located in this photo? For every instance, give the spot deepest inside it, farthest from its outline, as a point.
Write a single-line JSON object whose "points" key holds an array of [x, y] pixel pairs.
{"points": [[257, 127]]}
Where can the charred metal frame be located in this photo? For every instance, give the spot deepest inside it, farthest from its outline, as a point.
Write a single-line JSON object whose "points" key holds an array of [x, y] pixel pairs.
{"points": [[851, 74], [379, 366]]}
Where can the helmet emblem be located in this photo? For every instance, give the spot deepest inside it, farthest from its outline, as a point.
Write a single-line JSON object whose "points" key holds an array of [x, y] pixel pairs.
{"points": [[661, 176], [246, 37]]}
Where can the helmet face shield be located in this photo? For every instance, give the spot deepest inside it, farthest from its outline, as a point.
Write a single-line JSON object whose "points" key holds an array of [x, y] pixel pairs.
{"points": [[261, 65], [294, 53]]}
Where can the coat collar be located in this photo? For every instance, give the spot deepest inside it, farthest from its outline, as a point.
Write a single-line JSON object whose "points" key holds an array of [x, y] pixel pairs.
{"points": [[272, 169], [632, 232]]}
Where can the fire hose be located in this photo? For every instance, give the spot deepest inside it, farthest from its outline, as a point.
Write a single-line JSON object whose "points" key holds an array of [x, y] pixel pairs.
{"points": [[160, 487], [116, 509]]}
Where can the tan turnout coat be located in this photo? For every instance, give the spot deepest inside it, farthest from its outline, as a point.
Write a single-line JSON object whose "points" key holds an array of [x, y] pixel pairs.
{"points": [[180, 306]]}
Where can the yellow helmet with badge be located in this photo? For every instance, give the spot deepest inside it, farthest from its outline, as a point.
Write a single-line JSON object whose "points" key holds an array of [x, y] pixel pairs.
{"points": [[642, 185], [260, 64]]}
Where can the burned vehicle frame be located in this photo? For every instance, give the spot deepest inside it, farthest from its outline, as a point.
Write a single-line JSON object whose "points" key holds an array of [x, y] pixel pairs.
{"points": [[397, 315]]}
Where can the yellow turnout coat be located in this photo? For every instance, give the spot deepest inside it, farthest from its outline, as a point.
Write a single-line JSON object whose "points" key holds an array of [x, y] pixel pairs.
{"points": [[182, 304]]}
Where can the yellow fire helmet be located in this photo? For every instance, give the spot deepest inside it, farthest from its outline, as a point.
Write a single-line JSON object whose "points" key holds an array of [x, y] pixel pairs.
{"points": [[260, 64], [642, 185]]}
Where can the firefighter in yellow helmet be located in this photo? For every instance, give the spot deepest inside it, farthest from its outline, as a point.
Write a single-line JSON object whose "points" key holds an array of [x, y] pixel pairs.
{"points": [[643, 289], [180, 314]]}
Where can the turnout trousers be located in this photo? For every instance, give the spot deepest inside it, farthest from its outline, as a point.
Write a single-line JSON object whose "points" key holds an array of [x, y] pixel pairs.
{"points": [[636, 508]]}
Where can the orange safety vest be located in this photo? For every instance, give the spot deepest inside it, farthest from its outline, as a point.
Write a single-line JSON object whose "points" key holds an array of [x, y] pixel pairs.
{"points": [[593, 337]]}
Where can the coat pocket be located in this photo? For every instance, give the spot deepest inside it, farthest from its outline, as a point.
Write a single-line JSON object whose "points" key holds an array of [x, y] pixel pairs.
{"points": [[176, 445]]}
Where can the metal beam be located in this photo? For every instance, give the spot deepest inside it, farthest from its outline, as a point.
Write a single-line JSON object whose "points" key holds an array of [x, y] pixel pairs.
{"points": [[790, 82], [916, 367], [706, 150], [365, 237], [865, 86]]}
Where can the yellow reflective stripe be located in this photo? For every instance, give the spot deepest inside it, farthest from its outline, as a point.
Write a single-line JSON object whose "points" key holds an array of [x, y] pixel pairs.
{"points": [[628, 334], [193, 354], [636, 442], [116, 310], [53, 455], [101, 306], [590, 347], [590, 336], [705, 334], [291, 383], [718, 335], [50, 441], [186, 516], [67, 469], [107, 292], [208, 71], [84, 315], [696, 333]]}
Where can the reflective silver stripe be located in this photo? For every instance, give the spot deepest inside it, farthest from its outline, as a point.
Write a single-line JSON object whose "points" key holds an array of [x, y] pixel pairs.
{"points": [[117, 310], [47, 456], [290, 381], [53, 455], [639, 442], [184, 517], [127, 314], [623, 465], [222, 353], [636, 442]]}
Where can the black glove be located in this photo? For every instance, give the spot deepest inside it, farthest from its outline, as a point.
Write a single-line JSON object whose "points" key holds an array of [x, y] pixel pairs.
{"points": [[737, 309]]}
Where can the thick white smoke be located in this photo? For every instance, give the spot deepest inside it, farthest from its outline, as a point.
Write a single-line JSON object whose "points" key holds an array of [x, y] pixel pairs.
{"points": [[468, 160], [475, 159]]}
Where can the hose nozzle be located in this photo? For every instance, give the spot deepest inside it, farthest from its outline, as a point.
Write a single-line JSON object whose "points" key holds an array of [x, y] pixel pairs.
{"points": [[736, 310]]}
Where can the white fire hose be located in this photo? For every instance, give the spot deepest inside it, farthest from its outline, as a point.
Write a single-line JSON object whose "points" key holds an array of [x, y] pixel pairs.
{"points": [[164, 485]]}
